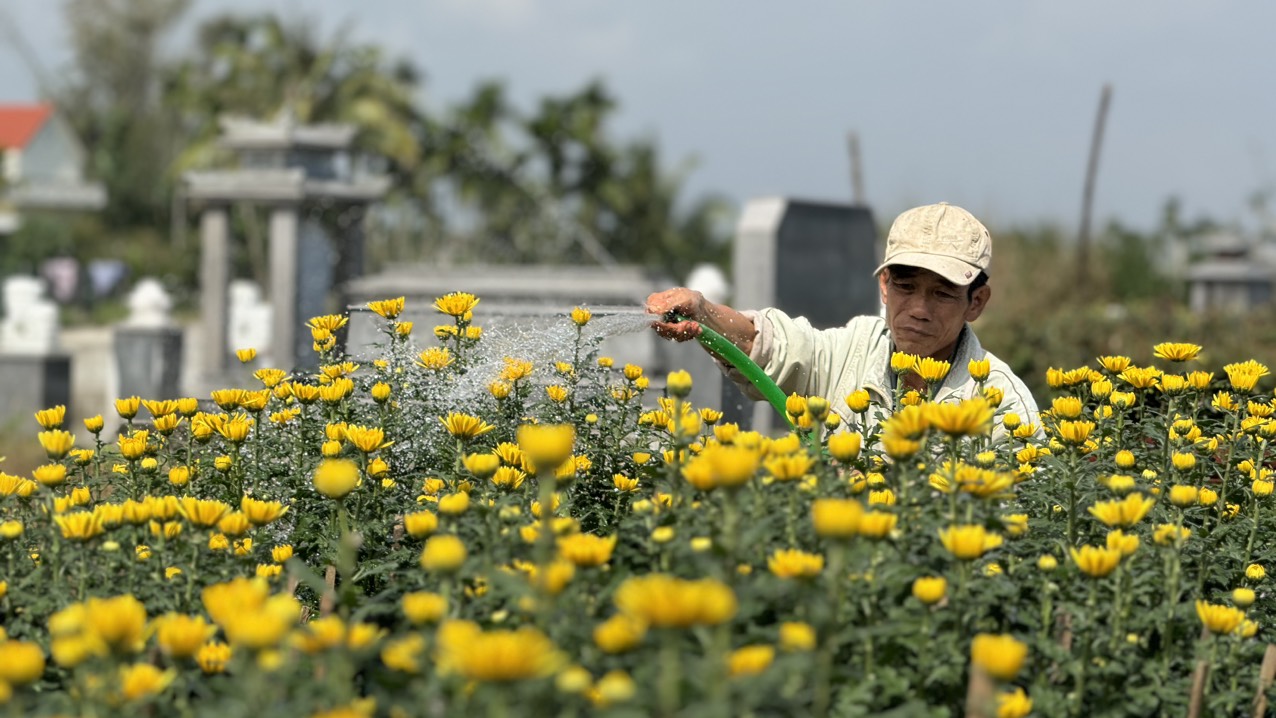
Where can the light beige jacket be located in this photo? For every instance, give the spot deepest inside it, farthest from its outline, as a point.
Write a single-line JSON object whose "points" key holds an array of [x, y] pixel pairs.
{"points": [[832, 363]]}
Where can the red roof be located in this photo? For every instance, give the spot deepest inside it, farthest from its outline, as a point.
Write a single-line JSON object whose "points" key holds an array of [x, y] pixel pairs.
{"points": [[19, 123]]}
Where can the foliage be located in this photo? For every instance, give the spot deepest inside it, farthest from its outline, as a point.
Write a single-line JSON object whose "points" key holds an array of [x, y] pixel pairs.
{"points": [[471, 533], [112, 99], [479, 180], [1039, 317]]}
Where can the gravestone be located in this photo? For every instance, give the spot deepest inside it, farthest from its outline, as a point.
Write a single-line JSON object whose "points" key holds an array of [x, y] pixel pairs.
{"points": [[809, 259], [30, 324], [148, 346], [249, 318], [34, 374], [315, 281]]}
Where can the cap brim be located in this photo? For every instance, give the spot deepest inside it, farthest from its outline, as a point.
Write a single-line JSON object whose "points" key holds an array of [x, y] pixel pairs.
{"points": [[954, 270]]}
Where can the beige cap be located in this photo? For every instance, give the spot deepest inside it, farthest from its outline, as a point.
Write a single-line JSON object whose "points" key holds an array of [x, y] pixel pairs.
{"points": [[943, 238]]}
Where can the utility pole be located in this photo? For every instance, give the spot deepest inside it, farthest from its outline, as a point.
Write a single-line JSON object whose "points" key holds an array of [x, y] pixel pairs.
{"points": [[1087, 194], [857, 174]]}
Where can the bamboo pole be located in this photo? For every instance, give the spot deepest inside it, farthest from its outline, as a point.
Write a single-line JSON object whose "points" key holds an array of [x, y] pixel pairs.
{"points": [[1200, 677], [1265, 675], [329, 596], [980, 695]]}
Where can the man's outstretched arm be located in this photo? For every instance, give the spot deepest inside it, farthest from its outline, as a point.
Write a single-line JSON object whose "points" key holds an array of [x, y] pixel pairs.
{"points": [[736, 327]]}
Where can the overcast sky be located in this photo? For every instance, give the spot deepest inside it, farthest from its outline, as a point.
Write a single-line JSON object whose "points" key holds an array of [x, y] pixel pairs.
{"points": [[981, 103]]}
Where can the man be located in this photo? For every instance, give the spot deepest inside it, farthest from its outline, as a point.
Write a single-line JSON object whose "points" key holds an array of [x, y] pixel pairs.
{"points": [[933, 282]]}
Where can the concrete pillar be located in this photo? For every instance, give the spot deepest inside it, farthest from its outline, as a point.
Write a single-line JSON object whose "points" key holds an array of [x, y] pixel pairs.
{"points": [[283, 286], [214, 280]]}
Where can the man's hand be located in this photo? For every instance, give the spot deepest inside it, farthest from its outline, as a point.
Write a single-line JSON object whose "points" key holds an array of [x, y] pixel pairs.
{"points": [[683, 301]]}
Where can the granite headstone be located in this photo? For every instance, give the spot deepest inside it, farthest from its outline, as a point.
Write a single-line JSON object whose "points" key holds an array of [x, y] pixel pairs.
{"points": [[809, 259]]}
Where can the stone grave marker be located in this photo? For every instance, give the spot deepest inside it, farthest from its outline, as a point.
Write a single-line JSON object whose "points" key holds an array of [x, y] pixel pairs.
{"points": [[34, 374], [811, 259], [148, 345]]}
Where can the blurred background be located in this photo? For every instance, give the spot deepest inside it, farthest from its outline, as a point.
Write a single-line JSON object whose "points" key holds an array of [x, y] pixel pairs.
{"points": [[1121, 154]]}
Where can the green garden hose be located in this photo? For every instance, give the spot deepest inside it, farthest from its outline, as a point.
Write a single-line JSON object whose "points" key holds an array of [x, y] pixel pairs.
{"points": [[731, 353]]}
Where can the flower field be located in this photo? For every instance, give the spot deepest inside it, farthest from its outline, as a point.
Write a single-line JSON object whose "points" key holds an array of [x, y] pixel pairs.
{"points": [[381, 539]]}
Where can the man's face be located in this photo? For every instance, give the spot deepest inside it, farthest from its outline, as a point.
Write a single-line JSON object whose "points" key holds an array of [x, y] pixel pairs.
{"points": [[926, 312]]}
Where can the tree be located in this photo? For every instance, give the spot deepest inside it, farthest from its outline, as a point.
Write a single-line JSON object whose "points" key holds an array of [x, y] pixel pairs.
{"points": [[528, 187], [481, 179], [112, 99]]}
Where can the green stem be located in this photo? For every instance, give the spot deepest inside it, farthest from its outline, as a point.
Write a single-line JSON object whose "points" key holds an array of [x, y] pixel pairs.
{"points": [[829, 644], [1253, 533], [670, 675], [1087, 640], [1072, 499], [545, 541]]}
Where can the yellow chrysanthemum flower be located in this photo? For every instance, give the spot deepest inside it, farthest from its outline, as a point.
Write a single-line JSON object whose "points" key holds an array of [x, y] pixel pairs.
{"points": [[1223, 401], [1170, 535], [1176, 351], [366, 439], [1114, 364], [202, 512], [1066, 407], [969, 541], [260, 513], [931, 370], [586, 550], [180, 635], [999, 655], [435, 358], [620, 633], [21, 662], [971, 417], [836, 518], [444, 553], [750, 660], [79, 525], [1173, 384], [858, 401], [1122, 513], [142, 680], [496, 656], [51, 418], [456, 304], [1182, 496], [546, 445], [56, 443], [930, 589], [663, 601], [1219, 619], [327, 323], [1013, 704], [1097, 561], [1244, 375], [902, 362], [335, 478], [1075, 433], [387, 308], [464, 426], [422, 607], [793, 563], [1141, 377]]}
